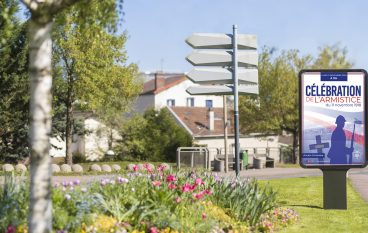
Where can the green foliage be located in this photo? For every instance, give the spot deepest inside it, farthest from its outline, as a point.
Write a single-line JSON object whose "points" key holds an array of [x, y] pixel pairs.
{"points": [[167, 201], [276, 108], [155, 137], [14, 87], [245, 200], [14, 197], [91, 74], [8, 21]]}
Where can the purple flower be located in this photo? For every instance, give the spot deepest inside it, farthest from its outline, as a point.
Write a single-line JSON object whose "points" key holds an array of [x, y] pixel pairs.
{"points": [[57, 184], [71, 183], [122, 180], [65, 183], [77, 182]]}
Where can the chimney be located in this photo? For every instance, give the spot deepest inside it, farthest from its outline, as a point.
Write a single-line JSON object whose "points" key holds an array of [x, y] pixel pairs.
{"points": [[211, 119], [159, 80]]}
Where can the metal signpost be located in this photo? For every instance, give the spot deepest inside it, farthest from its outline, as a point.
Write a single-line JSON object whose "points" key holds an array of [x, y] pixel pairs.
{"points": [[333, 127], [224, 80]]}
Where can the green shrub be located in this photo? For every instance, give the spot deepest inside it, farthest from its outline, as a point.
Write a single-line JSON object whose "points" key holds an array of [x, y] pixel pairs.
{"points": [[14, 197]]}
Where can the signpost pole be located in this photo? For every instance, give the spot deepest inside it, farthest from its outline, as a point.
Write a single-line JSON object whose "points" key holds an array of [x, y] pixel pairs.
{"points": [[235, 88], [225, 135], [334, 189]]}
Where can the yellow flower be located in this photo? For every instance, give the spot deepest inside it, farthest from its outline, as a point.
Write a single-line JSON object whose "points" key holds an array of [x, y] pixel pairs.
{"points": [[104, 223], [22, 229]]}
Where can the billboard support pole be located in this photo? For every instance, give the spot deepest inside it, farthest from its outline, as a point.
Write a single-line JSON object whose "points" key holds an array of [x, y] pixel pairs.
{"points": [[334, 189]]}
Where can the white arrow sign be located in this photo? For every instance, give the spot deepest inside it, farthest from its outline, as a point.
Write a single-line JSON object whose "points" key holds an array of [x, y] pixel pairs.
{"points": [[222, 90], [222, 76], [220, 41], [246, 58]]}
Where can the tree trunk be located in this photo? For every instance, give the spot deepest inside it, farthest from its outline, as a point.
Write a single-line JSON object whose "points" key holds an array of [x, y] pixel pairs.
{"points": [[40, 209], [69, 122], [295, 147]]}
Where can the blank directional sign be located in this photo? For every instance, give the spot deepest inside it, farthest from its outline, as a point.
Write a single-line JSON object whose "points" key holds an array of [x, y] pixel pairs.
{"points": [[214, 75], [222, 90], [221, 41], [246, 58]]}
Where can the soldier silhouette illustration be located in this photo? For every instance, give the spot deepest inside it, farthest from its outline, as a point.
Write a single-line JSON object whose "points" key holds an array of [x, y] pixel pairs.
{"points": [[338, 151]]}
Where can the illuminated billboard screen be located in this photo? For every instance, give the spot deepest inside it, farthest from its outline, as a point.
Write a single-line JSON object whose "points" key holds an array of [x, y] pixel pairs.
{"points": [[332, 118]]}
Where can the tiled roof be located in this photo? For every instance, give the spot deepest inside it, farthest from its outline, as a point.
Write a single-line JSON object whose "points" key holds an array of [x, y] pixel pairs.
{"points": [[163, 82], [197, 120]]}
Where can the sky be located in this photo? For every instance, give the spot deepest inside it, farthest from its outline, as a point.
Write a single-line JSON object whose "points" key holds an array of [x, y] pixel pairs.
{"points": [[157, 29]]}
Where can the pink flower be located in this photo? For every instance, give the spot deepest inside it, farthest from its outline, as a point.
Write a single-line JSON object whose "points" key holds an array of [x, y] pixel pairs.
{"points": [[154, 230], [171, 178], [172, 186], [208, 192], [204, 215], [198, 195], [199, 181], [10, 229], [156, 183], [136, 168], [161, 168], [147, 167], [178, 200], [186, 188]]}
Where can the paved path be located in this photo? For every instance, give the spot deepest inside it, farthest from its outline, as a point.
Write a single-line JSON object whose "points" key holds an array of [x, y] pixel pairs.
{"points": [[358, 177]]}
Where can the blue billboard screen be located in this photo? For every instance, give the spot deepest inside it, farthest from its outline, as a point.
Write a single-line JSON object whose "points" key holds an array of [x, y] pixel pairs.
{"points": [[332, 118]]}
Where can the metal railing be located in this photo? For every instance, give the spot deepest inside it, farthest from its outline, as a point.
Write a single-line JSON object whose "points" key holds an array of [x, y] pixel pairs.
{"points": [[193, 157]]}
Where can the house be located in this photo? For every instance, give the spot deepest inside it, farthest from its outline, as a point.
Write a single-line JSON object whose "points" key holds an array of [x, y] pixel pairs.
{"points": [[206, 125], [94, 144], [169, 89], [201, 116]]}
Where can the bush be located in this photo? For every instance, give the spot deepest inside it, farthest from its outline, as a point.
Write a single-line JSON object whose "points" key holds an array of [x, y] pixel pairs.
{"points": [[154, 137]]}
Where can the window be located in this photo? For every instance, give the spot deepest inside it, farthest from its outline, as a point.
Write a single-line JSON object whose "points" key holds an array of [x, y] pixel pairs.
{"points": [[190, 102], [170, 102], [209, 103]]}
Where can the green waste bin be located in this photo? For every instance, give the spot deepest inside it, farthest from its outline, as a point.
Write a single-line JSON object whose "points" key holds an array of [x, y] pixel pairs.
{"points": [[244, 157]]}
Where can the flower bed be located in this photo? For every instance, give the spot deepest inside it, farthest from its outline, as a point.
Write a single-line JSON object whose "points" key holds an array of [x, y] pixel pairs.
{"points": [[152, 200]]}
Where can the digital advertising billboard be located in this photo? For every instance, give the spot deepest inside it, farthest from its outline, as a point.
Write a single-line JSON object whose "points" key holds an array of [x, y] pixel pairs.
{"points": [[332, 118]]}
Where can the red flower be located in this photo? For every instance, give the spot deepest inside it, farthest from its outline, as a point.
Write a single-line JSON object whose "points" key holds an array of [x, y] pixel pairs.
{"points": [[198, 195], [204, 215], [154, 230], [10, 229], [186, 188], [208, 192], [135, 168], [172, 186], [171, 178]]}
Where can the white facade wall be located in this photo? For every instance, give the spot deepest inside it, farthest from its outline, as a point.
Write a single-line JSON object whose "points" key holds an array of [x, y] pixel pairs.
{"points": [[93, 145], [180, 96]]}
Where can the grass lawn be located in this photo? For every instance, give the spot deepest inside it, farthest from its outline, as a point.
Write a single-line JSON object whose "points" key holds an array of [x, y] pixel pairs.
{"points": [[305, 196]]}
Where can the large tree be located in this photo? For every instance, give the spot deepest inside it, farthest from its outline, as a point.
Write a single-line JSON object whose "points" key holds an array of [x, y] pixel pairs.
{"points": [[95, 72], [13, 84], [276, 109]]}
